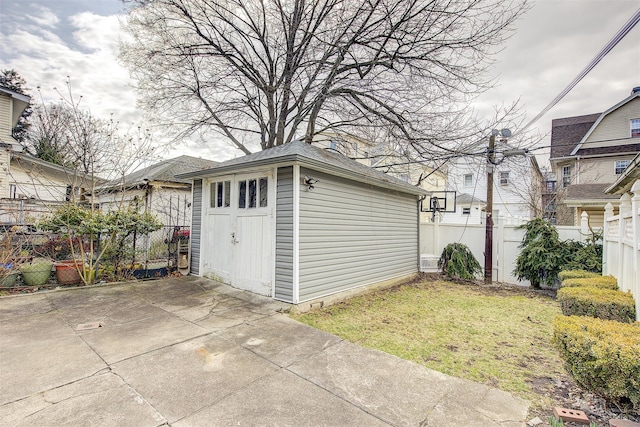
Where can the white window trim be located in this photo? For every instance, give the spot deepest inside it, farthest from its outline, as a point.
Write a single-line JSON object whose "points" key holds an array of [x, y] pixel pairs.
{"points": [[464, 180], [615, 166], [632, 127]]}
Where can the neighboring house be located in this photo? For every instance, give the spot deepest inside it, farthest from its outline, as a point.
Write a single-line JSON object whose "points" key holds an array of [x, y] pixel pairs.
{"points": [[353, 147], [588, 154], [517, 187], [156, 189], [549, 196], [469, 210], [300, 223], [30, 187]]}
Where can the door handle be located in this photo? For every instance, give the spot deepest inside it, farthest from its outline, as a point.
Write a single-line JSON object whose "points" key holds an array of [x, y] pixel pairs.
{"points": [[233, 238]]}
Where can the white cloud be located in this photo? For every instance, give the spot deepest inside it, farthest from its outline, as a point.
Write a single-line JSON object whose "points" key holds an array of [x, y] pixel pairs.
{"points": [[44, 17]]}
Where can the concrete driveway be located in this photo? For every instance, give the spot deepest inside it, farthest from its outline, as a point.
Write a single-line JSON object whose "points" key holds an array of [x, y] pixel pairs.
{"points": [[194, 352]]}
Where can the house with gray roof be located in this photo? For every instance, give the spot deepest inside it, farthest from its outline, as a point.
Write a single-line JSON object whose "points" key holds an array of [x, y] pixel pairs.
{"points": [[156, 189], [301, 223], [588, 154]]}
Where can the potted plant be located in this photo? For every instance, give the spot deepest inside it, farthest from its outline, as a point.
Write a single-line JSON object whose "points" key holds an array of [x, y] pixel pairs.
{"points": [[8, 275], [37, 272], [68, 272], [9, 257]]}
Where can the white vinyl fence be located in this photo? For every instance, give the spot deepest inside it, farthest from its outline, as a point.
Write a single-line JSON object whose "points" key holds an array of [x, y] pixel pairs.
{"points": [[621, 240], [434, 236]]}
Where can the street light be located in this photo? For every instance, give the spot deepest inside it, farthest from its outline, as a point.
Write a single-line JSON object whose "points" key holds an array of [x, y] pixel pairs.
{"points": [[488, 237]]}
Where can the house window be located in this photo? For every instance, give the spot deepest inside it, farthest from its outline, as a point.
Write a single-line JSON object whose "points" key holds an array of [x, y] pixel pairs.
{"points": [[566, 176], [635, 128], [13, 191], [466, 211], [504, 178], [253, 193], [621, 165], [220, 194], [551, 186], [468, 180]]}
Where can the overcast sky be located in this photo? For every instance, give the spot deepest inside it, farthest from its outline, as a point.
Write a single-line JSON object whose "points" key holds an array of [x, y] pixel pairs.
{"points": [[47, 40]]}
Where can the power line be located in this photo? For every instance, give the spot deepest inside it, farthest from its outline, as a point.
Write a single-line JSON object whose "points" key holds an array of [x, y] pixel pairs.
{"points": [[603, 52]]}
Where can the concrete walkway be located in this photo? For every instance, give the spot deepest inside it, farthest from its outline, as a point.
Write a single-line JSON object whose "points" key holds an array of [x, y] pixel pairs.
{"points": [[193, 352]]}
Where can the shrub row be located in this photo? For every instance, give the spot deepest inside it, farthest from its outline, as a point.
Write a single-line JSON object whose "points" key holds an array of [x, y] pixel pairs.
{"points": [[576, 274], [603, 282], [602, 355], [605, 304]]}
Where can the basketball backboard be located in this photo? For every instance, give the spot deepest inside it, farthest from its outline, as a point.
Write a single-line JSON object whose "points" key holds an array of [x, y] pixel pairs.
{"points": [[439, 201]]}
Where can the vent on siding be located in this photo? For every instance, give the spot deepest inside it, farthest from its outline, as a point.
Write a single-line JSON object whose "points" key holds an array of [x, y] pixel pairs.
{"points": [[429, 263]]}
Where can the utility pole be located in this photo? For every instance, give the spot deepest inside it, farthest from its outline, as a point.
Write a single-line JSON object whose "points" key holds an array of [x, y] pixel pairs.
{"points": [[491, 162], [488, 236]]}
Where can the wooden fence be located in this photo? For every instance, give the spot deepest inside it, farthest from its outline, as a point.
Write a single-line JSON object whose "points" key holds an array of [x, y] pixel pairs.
{"points": [[621, 240]]}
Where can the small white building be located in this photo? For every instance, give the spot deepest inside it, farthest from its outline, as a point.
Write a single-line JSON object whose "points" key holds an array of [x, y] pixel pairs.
{"points": [[298, 223]]}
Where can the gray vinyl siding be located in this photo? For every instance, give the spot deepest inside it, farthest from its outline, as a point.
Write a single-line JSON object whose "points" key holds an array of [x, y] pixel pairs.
{"points": [[284, 235], [196, 227], [354, 234]]}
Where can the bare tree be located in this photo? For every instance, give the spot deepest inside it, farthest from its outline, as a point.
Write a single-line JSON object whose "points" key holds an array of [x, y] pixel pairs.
{"points": [[275, 70]]}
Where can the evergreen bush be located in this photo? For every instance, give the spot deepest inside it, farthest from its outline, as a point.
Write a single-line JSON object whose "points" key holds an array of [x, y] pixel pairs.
{"points": [[458, 261], [597, 302], [604, 282], [576, 274], [603, 356]]}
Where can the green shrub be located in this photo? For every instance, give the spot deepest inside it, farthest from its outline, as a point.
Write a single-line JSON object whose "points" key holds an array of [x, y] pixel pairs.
{"points": [[576, 274], [603, 356], [603, 282], [542, 254], [597, 302], [458, 261]]}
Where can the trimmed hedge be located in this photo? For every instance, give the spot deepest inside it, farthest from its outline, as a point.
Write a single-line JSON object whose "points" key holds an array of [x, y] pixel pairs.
{"points": [[576, 274], [602, 282], [597, 302], [603, 356]]}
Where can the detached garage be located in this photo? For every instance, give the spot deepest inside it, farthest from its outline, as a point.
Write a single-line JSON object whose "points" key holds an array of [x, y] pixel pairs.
{"points": [[297, 223]]}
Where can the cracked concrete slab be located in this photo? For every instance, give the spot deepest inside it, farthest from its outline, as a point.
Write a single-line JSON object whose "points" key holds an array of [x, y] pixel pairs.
{"points": [[282, 399], [39, 352], [197, 352], [101, 400], [270, 337], [184, 378], [368, 378]]}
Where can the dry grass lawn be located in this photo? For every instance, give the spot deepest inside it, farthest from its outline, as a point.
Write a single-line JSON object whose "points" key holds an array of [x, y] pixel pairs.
{"points": [[499, 336]]}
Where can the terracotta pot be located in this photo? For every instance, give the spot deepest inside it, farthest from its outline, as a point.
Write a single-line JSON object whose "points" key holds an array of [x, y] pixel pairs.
{"points": [[67, 272]]}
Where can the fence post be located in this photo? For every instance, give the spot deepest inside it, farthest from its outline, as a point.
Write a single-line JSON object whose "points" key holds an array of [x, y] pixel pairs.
{"points": [[634, 286], [608, 213], [584, 225], [625, 207], [500, 256]]}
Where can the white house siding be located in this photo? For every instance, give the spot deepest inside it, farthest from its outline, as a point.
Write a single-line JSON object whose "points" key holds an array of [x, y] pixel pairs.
{"points": [[5, 118], [353, 234], [284, 236], [511, 200], [196, 227], [35, 183]]}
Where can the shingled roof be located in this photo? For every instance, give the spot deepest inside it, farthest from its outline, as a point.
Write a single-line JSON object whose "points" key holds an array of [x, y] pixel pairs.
{"points": [[567, 132], [314, 157], [588, 191], [167, 170]]}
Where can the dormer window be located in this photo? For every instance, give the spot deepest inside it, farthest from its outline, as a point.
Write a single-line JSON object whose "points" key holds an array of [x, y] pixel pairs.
{"points": [[635, 128]]}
